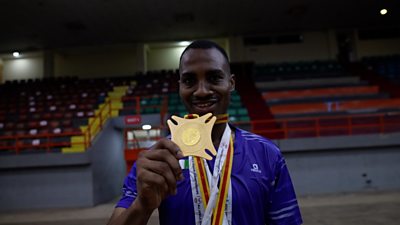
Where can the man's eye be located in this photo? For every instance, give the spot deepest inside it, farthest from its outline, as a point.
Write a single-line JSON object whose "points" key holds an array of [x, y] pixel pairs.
{"points": [[188, 81], [216, 79]]}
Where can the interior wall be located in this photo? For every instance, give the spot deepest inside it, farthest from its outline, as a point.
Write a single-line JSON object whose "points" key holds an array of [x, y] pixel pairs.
{"points": [[23, 68], [351, 163], [166, 55], [101, 61], [379, 47], [316, 46], [117, 60], [1, 71], [108, 163]]}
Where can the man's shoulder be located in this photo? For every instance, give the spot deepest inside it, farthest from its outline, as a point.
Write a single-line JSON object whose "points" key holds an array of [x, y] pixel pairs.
{"points": [[255, 139]]}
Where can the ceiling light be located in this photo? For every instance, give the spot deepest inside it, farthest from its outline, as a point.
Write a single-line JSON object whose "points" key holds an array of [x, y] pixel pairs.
{"points": [[146, 127], [383, 12], [184, 43], [16, 54]]}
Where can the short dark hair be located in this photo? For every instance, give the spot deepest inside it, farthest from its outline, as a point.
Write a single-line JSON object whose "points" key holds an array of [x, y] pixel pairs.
{"points": [[205, 44]]}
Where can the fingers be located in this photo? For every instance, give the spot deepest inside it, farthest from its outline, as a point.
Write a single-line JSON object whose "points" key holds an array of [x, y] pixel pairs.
{"points": [[169, 162], [167, 151], [170, 146], [159, 167], [152, 189], [158, 173], [150, 180]]}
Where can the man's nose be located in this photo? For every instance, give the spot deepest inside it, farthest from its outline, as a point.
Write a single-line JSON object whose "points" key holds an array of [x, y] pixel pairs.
{"points": [[202, 90]]}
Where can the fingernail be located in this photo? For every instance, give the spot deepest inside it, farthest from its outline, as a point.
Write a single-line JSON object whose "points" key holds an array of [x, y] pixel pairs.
{"points": [[179, 153], [179, 176]]}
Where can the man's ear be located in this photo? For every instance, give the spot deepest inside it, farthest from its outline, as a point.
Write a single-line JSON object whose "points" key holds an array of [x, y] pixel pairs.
{"points": [[232, 81]]}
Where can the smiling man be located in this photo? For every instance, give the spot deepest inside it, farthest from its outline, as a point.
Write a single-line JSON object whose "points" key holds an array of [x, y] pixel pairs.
{"points": [[254, 186], [205, 80]]}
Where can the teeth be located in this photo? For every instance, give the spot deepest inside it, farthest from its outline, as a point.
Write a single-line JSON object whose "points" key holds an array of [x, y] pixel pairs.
{"points": [[203, 105]]}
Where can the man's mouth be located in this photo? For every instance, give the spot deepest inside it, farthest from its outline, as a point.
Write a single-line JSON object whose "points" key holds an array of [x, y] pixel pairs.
{"points": [[203, 107], [203, 104]]}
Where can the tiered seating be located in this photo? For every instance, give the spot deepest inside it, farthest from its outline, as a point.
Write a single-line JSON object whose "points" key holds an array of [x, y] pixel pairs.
{"points": [[44, 114], [156, 82], [147, 94], [319, 96], [175, 106], [237, 112], [293, 71], [387, 66], [322, 94], [149, 104]]}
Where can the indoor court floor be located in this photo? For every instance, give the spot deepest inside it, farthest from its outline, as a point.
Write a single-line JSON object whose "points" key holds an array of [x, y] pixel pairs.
{"points": [[366, 208]]}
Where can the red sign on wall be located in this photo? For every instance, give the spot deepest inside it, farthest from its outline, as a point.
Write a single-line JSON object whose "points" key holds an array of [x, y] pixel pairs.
{"points": [[132, 120]]}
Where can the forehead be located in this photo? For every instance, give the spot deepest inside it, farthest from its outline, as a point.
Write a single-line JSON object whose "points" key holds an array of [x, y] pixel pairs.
{"points": [[211, 58]]}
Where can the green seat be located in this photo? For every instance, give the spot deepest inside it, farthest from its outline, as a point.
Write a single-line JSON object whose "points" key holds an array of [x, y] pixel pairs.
{"points": [[172, 108], [232, 112], [244, 118], [235, 98], [235, 104], [181, 108], [173, 95], [156, 110], [182, 113], [233, 118], [155, 101], [242, 112], [173, 101], [148, 110], [144, 102]]}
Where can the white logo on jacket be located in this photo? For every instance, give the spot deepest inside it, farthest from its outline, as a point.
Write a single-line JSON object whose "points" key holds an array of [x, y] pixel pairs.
{"points": [[255, 168]]}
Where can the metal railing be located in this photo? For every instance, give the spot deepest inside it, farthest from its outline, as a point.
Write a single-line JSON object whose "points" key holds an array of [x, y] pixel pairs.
{"points": [[273, 129], [327, 126]]}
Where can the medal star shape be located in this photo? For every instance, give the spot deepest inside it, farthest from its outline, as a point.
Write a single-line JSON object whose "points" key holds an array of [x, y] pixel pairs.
{"points": [[193, 136]]}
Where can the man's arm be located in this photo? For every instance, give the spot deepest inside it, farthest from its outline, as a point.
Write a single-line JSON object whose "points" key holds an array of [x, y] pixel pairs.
{"points": [[133, 215], [283, 207], [157, 172]]}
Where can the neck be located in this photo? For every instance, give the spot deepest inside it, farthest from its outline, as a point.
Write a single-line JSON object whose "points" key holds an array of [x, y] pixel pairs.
{"points": [[219, 128], [217, 132]]}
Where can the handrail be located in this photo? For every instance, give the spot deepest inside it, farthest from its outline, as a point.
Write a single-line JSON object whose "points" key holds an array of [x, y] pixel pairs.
{"points": [[338, 106], [95, 125], [318, 126], [273, 128], [19, 145], [327, 117], [319, 92]]}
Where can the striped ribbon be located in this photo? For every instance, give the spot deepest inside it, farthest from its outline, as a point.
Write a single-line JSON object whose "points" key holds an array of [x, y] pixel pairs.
{"points": [[224, 183], [221, 118]]}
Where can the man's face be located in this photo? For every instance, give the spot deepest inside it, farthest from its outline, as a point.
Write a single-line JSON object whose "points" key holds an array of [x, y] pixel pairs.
{"points": [[205, 81]]}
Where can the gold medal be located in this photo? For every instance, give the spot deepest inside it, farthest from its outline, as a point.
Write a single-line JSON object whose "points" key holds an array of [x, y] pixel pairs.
{"points": [[193, 136]]}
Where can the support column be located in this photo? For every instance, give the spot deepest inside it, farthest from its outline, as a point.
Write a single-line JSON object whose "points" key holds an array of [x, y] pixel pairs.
{"points": [[48, 64]]}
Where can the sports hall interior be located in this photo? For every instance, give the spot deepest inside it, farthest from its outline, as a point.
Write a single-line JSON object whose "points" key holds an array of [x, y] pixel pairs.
{"points": [[85, 86]]}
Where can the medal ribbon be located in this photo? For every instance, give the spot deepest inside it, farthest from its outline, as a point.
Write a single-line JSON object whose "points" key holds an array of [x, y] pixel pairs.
{"points": [[219, 210], [221, 118], [215, 202]]}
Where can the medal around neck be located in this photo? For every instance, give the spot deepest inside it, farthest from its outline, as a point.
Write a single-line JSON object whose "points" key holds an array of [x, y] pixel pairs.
{"points": [[193, 136]]}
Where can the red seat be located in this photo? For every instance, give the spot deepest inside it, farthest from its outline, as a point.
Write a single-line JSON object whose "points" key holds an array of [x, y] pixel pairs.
{"points": [[33, 124], [54, 124]]}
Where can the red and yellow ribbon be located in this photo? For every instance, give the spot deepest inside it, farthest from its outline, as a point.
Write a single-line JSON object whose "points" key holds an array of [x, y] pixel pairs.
{"points": [[219, 209]]}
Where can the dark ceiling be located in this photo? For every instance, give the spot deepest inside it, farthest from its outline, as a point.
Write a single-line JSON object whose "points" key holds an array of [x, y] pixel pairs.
{"points": [[46, 24]]}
